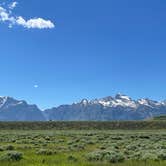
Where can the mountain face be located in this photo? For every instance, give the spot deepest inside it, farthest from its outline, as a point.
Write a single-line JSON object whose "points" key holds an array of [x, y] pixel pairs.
{"points": [[14, 110], [120, 107]]}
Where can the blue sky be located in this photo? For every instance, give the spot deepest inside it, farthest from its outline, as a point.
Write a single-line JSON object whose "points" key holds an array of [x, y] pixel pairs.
{"points": [[97, 48]]}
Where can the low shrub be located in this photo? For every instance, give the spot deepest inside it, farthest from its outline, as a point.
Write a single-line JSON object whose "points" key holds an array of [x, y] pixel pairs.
{"points": [[77, 147], [114, 157], [1, 148], [9, 147], [47, 138], [72, 158], [11, 156], [162, 155], [95, 156], [45, 152], [135, 156], [149, 156], [131, 147], [110, 156]]}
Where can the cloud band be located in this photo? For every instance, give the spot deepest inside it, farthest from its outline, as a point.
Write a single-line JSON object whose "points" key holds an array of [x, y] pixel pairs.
{"points": [[38, 23]]}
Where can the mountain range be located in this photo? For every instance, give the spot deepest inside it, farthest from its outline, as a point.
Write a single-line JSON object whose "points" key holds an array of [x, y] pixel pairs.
{"points": [[120, 107]]}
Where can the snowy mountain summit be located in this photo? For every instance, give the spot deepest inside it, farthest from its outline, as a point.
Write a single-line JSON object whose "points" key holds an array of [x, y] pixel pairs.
{"points": [[124, 101], [118, 100], [119, 107]]}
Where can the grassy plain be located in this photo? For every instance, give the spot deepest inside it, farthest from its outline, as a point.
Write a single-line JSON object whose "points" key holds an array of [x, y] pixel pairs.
{"points": [[82, 147]]}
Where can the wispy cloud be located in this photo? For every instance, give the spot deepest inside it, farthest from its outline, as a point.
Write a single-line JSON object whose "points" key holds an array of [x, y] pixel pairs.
{"points": [[13, 5], [6, 16]]}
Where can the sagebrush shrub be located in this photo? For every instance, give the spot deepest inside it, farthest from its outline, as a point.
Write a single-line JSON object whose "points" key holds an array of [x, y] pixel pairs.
{"points": [[149, 156], [162, 155], [1, 148], [114, 157], [95, 156], [9, 147], [110, 156], [12, 156], [72, 158], [45, 152]]}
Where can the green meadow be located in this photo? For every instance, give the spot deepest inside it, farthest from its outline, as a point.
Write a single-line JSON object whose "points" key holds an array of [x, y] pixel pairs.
{"points": [[82, 147]]}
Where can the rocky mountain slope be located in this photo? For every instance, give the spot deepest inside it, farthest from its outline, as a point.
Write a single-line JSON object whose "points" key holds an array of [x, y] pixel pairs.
{"points": [[14, 110], [120, 107]]}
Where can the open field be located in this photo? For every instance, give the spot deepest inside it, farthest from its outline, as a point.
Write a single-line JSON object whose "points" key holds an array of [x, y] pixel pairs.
{"points": [[81, 147]]}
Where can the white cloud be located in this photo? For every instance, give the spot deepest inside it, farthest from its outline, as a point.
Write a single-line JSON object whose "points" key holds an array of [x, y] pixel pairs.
{"points": [[39, 23], [4, 16], [13, 5], [36, 86]]}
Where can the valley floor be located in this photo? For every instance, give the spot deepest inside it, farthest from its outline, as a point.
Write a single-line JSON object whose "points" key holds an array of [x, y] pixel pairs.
{"points": [[82, 148]]}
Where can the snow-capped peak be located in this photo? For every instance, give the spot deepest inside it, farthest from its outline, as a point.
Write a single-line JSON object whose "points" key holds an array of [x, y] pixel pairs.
{"points": [[2, 101], [122, 97], [123, 101], [143, 101], [150, 103], [7, 101], [118, 100], [84, 102]]}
